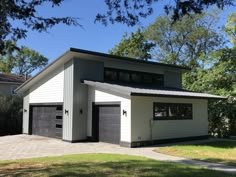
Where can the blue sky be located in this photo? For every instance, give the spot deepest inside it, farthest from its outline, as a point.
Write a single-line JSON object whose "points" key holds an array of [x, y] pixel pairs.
{"points": [[93, 36]]}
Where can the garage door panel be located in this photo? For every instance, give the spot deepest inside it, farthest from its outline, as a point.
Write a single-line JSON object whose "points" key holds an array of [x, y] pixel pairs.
{"points": [[109, 124], [45, 120]]}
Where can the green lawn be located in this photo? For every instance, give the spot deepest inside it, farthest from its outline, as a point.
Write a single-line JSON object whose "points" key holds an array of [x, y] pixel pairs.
{"points": [[218, 151], [100, 165]]}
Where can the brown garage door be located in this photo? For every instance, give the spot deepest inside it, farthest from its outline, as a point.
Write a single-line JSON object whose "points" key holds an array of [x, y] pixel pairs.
{"points": [[109, 123], [46, 120]]}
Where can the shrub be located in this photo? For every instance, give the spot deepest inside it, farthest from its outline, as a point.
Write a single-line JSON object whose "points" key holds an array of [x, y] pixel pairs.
{"points": [[222, 117], [10, 114]]}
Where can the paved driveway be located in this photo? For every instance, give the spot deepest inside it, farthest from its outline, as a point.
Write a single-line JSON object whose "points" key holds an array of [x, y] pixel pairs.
{"points": [[28, 146]]}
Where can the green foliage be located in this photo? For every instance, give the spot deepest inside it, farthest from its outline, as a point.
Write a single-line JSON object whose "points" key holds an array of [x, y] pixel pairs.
{"points": [[22, 61], [134, 46], [25, 13], [11, 106], [218, 79], [10, 115], [7, 61], [186, 42], [230, 27], [130, 12], [222, 117]]}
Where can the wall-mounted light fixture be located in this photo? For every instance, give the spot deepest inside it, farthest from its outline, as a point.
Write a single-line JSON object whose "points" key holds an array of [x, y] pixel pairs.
{"points": [[124, 112], [66, 111]]}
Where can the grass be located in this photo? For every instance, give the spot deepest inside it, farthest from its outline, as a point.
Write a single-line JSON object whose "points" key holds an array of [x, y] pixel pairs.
{"points": [[217, 151], [100, 165]]}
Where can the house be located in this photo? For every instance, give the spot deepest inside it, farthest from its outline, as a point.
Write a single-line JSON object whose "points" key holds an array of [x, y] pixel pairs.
{"points": [[85, 95], [9, 82]]}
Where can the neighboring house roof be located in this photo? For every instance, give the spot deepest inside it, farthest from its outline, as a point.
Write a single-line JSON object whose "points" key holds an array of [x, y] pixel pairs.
{"points": [[73, 52], [11, 78], [137, 91]]}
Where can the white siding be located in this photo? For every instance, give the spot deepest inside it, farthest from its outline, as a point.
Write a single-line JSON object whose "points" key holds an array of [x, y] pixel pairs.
{"points": [[145, 128], [26, 110], [49, 89], [97, 95], [68, 101]]}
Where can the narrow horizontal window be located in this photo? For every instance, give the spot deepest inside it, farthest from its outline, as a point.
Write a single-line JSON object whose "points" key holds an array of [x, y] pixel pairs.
{"points": [[158, 80], [172, 111], [58, 125], [133, 77], [124, 76], [147, 79], [136, 77], [111, 75], [58, 117], [59, 107]]}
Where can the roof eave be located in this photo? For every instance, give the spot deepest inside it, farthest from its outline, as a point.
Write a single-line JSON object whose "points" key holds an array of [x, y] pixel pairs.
{"points": [[177, 96]]}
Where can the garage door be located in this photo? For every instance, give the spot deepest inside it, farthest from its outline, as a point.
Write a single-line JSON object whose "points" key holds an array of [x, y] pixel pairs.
{"points": [[47, 120], [109, 124]]}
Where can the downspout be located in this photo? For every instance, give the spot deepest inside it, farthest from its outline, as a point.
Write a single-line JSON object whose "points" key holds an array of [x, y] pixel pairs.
{"points": [[151, 125]]}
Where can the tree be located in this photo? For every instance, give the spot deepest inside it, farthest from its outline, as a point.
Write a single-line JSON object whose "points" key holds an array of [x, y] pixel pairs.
{"points": [[230, 27], [7, 61], [134, 46], [19, 16], [129, 12], [193, 42], [186, 42], [22, 61], [219, 78]]}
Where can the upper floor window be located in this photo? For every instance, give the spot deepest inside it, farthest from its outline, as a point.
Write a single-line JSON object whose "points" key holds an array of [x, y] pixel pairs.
{"points": [[111, 75], [127, 76], [172, 111]]}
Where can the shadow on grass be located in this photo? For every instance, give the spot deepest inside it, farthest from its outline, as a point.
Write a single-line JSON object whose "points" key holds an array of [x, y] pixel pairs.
{"points": [[218, 161], [116, 168]]}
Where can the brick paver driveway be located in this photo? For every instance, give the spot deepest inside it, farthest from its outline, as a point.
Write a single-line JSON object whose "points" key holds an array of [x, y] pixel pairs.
{"points": [[28, 146]]}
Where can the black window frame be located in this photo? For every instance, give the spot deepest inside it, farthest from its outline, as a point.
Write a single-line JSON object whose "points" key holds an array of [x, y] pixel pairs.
{"points": [[154, 77], [168, 117]]}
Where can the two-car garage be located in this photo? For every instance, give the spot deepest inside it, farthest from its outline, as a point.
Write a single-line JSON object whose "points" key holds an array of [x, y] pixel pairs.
{"points": [[47, 120]]}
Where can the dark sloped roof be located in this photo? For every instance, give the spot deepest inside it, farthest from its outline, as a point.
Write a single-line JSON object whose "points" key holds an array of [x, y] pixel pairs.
{"points": [[138, 91], [127, 58], [96, 55], [11, 78]]}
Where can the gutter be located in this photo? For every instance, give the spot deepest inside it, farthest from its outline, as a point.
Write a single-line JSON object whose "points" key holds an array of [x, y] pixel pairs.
{"points": [[5, 82]]}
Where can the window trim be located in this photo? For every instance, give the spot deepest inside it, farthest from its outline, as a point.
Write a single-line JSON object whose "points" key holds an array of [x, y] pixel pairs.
{"points": [[170, 117]]}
